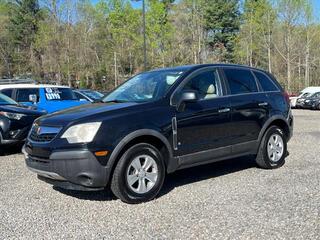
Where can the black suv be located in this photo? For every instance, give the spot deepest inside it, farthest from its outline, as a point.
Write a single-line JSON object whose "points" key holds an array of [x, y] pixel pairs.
{"points": [[158, 122]]}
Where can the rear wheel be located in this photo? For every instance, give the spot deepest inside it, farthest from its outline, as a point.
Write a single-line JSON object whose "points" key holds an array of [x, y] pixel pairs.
{"points": [[273, 149], [139, 174]]}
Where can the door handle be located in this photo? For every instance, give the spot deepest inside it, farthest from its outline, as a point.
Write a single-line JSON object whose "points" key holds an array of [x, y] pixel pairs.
{"points": [[263, 104], [224, 110]]}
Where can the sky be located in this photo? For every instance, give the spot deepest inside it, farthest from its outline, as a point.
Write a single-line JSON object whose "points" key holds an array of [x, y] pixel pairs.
{"points": [[316, 4]]}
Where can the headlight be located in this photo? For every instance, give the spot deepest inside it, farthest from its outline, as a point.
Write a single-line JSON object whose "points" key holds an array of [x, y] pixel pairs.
{"points": [[81, 133], [15, 116]]}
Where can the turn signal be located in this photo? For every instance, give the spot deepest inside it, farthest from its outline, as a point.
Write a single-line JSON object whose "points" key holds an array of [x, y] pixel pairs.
{"points": [[101, 153]]}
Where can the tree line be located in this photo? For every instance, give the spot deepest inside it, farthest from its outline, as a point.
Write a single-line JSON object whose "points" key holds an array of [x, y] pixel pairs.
{"points": [[78, 43]]}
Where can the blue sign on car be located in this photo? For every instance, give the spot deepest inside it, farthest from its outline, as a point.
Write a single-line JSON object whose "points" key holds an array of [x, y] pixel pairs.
{"points": [[50, 98]]}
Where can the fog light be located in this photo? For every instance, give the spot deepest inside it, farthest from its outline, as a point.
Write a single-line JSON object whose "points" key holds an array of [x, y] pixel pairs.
{"points": [[101, 153]]}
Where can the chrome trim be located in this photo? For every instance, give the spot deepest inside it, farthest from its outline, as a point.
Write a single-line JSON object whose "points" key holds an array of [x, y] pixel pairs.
{"points": [[174, 133], [44, 130], [46, 174]]}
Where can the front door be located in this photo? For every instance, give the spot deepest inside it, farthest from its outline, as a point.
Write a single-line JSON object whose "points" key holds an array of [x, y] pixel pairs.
{"points": [[202, 126]]}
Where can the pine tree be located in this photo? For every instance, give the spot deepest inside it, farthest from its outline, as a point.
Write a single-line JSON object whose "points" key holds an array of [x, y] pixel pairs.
{"points": [[222, 22]]}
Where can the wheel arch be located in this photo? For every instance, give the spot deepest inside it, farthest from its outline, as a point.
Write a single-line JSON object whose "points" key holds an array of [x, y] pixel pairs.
{"points": [[150, 136], [279, 121]]}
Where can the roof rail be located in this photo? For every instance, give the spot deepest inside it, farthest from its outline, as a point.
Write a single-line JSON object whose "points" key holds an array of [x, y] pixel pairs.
{"points": [[17, 81]]}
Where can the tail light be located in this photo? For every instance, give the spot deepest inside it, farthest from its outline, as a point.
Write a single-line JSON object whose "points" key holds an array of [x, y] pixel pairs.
{"points": [[286, 96]]}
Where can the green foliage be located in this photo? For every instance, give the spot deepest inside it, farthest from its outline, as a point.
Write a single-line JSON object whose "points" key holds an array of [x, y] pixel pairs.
{"points": [[222, 22], [99, 45]]}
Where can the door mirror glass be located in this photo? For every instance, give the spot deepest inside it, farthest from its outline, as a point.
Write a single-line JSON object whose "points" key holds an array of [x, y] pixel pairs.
{"points": [[189, 96], [186, 96], [33, 98]]}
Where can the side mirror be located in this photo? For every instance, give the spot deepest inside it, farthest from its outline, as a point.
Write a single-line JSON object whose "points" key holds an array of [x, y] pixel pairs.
{"points": [[33, 98], [187, 96]]}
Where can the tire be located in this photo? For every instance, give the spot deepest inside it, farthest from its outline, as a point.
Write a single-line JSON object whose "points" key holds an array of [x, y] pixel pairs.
{"points": [[146, 181], [272, 157]]}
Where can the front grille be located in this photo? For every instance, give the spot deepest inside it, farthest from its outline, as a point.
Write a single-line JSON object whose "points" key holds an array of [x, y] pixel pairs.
{"points": [[43, 134], [43, 137]]}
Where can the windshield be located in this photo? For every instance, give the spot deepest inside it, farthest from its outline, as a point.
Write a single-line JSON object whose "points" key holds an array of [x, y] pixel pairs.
{"points": [[315, 95], [53, 93], [145, 87], [4, 100], [92, 94]]}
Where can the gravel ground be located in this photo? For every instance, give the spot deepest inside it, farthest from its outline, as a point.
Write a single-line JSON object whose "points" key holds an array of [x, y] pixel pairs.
{"points": [[226, 200]]}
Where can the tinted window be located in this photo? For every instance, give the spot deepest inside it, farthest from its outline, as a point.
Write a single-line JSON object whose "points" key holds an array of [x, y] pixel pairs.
{"points": [[240, 81], [265, 82], [316, 95], [79, 96], [7, 92], [53, 93], [205, 83], [23, 94]]}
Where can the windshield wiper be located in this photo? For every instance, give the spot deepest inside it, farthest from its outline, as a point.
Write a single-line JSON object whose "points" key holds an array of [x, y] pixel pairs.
{"points": [[114, 101]]}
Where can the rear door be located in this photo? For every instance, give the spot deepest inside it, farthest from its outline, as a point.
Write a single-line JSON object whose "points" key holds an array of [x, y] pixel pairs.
{"points": [[250, 108], [274, 93]]}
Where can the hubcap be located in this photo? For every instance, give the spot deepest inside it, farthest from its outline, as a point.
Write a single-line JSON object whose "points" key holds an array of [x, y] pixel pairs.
{"points": [[275, 147], [142, 174]]}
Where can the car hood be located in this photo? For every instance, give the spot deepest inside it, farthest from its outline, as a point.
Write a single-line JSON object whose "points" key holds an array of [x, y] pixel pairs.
{"points": [[83, 112], [28, 110]]}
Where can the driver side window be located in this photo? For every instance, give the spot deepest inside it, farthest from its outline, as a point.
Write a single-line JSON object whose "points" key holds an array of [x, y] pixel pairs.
{"points": [[206, 84]]}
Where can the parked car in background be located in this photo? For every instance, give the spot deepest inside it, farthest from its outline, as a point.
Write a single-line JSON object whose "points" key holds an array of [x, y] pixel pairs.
{"points": [[158, 122], [88, 95], [15, 120], [302, 94], [51, 98], [301, 99], [312, 102]]}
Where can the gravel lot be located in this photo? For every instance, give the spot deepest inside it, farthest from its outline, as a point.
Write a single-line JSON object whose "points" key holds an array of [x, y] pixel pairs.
{"points": [[226, 200]]}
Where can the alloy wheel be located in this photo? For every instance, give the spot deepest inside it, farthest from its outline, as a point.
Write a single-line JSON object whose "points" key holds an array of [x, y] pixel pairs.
{"points": [[142, 174], [275, 147]]}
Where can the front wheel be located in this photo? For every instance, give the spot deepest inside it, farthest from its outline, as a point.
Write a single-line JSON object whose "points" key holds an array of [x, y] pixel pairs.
{"points": [[273, 149], [139, 174]]}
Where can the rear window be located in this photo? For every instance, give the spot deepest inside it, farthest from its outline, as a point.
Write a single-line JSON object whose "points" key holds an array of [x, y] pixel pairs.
{"points": [[265, 82], [53, 93], [240, 81]]}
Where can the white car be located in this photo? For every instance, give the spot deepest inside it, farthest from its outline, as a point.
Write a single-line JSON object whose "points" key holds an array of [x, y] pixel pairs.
{"points": [[308, 90]]}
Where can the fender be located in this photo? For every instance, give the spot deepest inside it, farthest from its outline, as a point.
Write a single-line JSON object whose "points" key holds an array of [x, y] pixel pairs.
{"points": [[269, 121], [141, 132]]}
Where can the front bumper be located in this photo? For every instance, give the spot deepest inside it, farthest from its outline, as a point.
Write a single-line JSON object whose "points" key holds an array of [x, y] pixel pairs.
{"points": [[14, 136], [70, 169]]}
